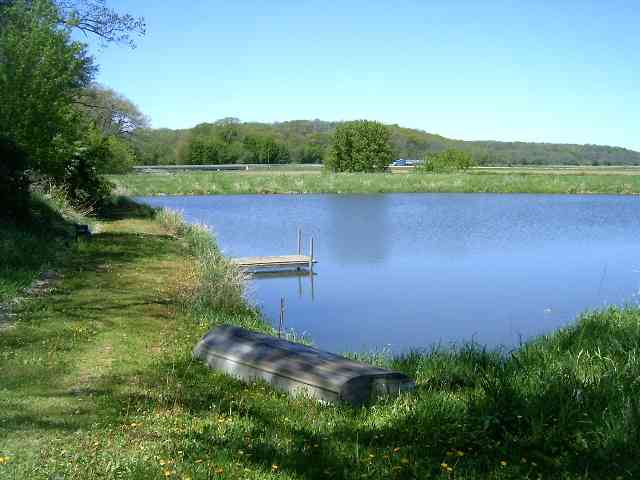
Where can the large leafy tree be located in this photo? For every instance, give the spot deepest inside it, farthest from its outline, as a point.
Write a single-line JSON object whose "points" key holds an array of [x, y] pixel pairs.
{"points": [[360, 146], [44, 77], [112, 112]]}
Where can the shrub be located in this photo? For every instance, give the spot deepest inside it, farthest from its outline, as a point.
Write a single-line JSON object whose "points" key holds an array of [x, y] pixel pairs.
{"points": [[14, 181], [360, 146], [450, 160], [82, 180]]}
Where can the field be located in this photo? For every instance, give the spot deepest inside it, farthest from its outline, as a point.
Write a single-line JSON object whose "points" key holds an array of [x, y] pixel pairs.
{"points": [[578, 180], [97, 381]]}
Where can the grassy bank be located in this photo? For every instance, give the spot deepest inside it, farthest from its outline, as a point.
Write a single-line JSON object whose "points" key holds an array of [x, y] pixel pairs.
{"points": [[209, 183], [97, 381]]}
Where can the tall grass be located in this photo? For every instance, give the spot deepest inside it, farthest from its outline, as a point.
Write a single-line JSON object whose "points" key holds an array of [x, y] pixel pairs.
{"points": [[507, 181], [210, 282]]}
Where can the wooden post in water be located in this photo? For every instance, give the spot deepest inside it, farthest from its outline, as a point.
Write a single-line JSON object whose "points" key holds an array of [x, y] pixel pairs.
{"points": [[313, 295], [311, 256], [281, 324], [299, 241]]}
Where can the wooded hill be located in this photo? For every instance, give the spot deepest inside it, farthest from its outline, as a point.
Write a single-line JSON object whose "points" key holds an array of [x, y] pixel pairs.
{"points": [[306, 141]]}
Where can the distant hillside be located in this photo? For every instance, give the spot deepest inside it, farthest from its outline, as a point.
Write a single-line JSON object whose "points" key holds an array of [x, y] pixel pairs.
{"points": [[306, 141]]}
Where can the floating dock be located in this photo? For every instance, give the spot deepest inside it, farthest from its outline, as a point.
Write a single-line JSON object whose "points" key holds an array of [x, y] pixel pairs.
{"points": [[295, 368], [280, 262]]}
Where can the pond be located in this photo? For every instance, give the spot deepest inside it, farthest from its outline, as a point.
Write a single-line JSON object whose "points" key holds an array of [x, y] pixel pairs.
{"points": [[409, 271]]}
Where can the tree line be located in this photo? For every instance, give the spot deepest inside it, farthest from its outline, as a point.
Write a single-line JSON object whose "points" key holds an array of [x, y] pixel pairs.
{"points": [[309, 141]]}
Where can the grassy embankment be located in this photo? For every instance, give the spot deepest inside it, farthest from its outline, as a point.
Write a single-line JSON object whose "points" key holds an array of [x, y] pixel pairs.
{"points": [[97, 381], [486, 181]]}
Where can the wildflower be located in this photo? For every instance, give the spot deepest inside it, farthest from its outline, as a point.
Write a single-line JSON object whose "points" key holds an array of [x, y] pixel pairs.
{"points": [[503, 463], [371, 455], [274, 467], [396, 450], [4, 460], [444, 466], [459, 453]]}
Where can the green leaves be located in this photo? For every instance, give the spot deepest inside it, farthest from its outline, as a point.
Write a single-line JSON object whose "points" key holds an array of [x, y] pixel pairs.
{"points": [[360, 146]]}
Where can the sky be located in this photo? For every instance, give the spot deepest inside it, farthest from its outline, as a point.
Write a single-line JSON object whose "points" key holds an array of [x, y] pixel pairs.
{"points": [[558, 71]]}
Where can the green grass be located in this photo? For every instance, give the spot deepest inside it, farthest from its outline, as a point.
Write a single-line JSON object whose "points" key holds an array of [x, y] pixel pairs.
{"points": [[97, 381], [208, 183]]}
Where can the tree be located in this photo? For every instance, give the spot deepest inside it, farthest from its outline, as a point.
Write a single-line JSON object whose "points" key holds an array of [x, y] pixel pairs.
{"points": [[93, 17], [360, 146], [450, 160], [112, 112], [41, 71]]}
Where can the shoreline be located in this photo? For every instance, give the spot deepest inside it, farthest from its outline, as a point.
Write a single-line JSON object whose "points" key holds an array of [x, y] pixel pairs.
{"points": [[133, 301]]}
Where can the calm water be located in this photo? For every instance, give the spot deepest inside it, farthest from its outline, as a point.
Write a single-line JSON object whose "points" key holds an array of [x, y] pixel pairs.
{"points": [[404, 271]]}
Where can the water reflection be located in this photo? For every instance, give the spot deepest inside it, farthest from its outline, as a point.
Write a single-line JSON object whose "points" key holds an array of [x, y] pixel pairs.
{"points": [[411, 270], [349, 216], [305, 280]]}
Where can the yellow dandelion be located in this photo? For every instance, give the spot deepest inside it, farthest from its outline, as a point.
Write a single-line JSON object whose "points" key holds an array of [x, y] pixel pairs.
{"points": [[444, 466], [503, 463]]}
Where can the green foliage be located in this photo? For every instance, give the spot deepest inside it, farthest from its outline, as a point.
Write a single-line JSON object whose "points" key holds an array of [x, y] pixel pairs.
{"points": [[450, 160], [308, 141], [360, 146], [14, 181], [82, 180], [41, 71], [223, 144]]}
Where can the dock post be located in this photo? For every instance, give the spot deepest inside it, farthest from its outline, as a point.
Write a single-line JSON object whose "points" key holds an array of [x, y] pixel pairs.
{"points": [[299, 241], [313, 295], [311, 257], [281, 324]]}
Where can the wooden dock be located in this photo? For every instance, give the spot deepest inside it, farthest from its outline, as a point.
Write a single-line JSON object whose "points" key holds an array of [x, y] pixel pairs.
{"points": [[280, 262]]}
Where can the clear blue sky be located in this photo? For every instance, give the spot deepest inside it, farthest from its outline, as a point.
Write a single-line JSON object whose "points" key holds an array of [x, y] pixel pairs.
{"points": [[547, 70]]}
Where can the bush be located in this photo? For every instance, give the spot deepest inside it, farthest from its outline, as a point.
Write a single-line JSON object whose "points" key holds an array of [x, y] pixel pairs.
{"points": [[83, 183], [14, 181], [450, 160], [360, 146]]}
